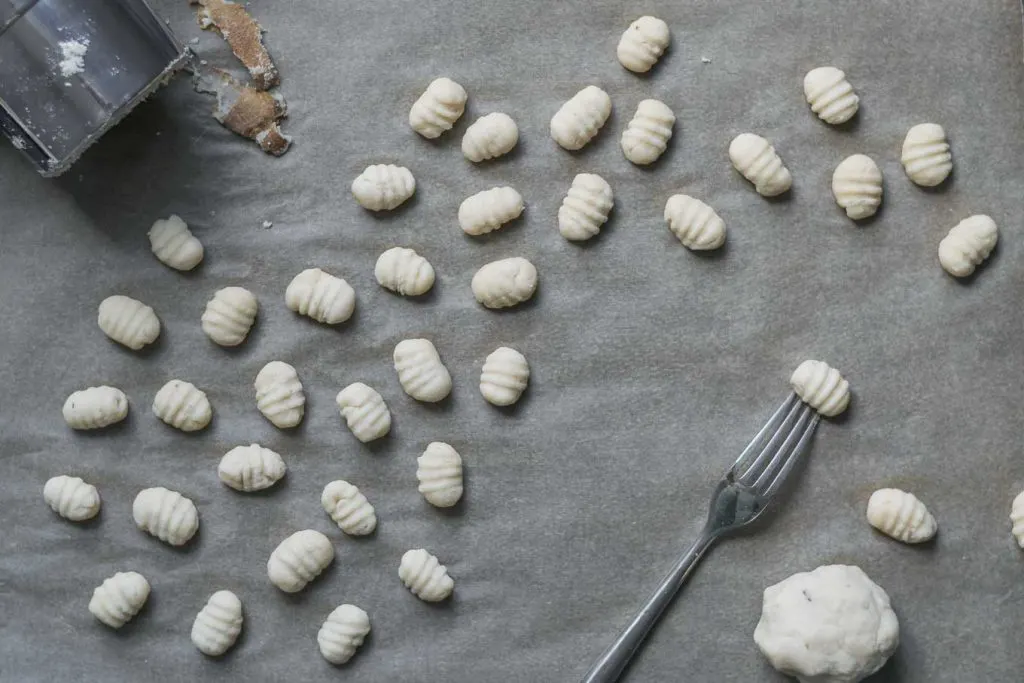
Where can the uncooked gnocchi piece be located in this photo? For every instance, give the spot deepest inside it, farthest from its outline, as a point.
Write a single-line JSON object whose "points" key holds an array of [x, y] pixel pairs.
{"points": [[647, 134], [364, 411], [694, 223], [489, 137], [299, 559], [757, 161], [505, 283], [821, 387], [72, 498], [1017, 518], [643, 43], [830, 95], [439, 472], [382, 187], [504, 376], [420, 370], [323, 297], [900, 515], [857, 186], [166, 514], [926, 157], [489, 210], [218, 624], [128, 321], [229, 316], [174, 244], [426, 577], [968, 243], [581, 118], [118, 599], [95, 408], [585, 208], [342, 633], [251, 468], [404, 272], [279, 394], [349, 508], [438, 108], [183, 406]]}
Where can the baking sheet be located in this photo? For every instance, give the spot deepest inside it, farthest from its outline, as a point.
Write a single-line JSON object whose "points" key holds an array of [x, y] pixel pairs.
{"points": [[652, 365]]}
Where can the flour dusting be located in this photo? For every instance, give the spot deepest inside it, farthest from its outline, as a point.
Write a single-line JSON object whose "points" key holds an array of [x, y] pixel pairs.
{"points": [[73, 56]]}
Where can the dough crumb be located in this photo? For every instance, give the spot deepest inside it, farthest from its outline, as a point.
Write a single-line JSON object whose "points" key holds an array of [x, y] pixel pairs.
{"points": [[243, 34], [267, 225], [705, 60], [251, 113]]}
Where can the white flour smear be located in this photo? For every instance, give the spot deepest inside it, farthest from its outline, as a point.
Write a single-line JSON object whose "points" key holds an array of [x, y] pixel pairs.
{"points": [[72, 54]]}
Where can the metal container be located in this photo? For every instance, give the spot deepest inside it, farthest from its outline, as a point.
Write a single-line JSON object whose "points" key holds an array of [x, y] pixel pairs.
{"points": [[71, 69]]}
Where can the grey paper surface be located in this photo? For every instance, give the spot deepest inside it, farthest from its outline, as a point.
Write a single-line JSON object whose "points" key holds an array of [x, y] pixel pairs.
{"points": [[652, 365]]}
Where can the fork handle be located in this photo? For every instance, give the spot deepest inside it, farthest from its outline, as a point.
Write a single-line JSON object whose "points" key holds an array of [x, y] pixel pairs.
{"points": [[610, 665]]}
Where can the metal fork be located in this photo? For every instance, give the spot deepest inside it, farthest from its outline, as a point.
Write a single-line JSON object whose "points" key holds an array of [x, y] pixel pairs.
{"points": [[746, 490]]}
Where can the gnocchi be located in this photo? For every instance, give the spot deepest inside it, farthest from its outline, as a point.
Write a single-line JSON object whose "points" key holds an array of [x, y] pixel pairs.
{"points": [[349, 508], [383, 187], [230, 315], [585, 208], [489, 210], [72, 498], [183, 406], [926, 157], [830, 95], [489, 137], [857, 186], [968, 243], [420, 371], [342, 633], [174, 245], [505, 283], [821, 387], [404, 272], [438, 108], [166, 514], [128, 321], [427, 578], [279, 394], [119, 598], [299, 559], [1017, 518], [364, 411], [251, 468], [218, 624], [694, 223], [439, 471], [581, 118], [647, 135], [323, 297], [901, 515], [95, 408], [756, 159], [504, 376], [643, 43]]}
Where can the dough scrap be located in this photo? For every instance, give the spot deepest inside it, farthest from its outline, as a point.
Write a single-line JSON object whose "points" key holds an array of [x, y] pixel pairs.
{"points": [[857, 186], [438, 108], [299, 559], [72, 498], [756, 159], [581, 118], [901, 515], [694, 223], [349, 508], [427, 578], [585, 208], [489, 210], [505, 283], [647, 135], [439, 472], [968, 243], [174, 245], [643, 43], [95, 407], [166, 514]]}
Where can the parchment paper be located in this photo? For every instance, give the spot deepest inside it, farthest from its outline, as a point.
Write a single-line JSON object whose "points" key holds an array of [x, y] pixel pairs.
{"points": [[652, 366]]}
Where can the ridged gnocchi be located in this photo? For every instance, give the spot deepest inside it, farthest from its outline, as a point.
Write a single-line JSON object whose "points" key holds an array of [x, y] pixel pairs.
{"points": [[174, 245], [364, 411], [830, 95], [438, 108], [183, 406], [581, 118], [926, 157], [643, 43], [968, 243], [218, 624], [821, 387], [95, 407], [504, 376], [323, 297], [128, 321], [489, 137], [901, 515], [1017, 518], [166, 514], [404, 272], [119, 598], [857, 186], [299, 559], [504, 283], [251, 468], [427, 578], [439, 471], [585, 208], [342, 633], [694, 223], [72, 498], [229, 316], [647, 135], [756, 159], [279, 394], [489, 210], [383, 187], [349, 508], [420, 371]]}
